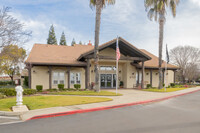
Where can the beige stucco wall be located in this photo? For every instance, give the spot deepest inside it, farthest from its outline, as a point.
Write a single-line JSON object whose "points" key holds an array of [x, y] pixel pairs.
{"points": [[170, 77], [147, 75], [127, 73], [130, 75], [155, 78], [40, 76]]}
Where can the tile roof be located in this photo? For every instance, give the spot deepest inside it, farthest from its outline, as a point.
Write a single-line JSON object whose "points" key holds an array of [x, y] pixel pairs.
{"points": [[153, 63], [45, 54], [57, 54]]}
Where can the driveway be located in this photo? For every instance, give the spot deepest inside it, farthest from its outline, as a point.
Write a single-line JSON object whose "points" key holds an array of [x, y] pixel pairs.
{"points": [[177, 115]]}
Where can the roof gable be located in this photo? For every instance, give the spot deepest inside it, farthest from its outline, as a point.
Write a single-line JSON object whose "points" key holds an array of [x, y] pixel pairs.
{"points": [[125, 47]]}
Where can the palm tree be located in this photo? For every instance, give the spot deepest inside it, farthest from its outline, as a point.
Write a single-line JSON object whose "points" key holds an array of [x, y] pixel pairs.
{"points": [[157, 8], [99, 5]]}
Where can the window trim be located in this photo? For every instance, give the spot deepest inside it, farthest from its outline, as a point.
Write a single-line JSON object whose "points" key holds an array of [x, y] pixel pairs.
{"points": [[59, 79], [75, 81]]}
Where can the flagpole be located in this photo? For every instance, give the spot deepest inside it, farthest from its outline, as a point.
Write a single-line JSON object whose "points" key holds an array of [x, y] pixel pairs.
{"points": [[165, 74], [116, 67], [166, 58]]}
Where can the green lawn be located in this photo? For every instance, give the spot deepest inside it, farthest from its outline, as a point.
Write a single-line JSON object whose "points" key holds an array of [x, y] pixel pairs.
{"points": [[86, 93], [163, 90], [39, 102]]}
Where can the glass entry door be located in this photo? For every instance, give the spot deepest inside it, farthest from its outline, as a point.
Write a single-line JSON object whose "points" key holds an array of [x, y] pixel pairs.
{"points": [[108, 80]]}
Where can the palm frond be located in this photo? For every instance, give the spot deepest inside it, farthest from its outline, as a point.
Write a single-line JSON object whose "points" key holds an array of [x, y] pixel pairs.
{"points": [[151, 13], [173, 4], [104, 3]]}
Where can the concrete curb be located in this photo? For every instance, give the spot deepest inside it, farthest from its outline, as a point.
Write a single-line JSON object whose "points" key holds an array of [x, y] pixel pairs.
{"points": [[107, 107], [6, 113]]}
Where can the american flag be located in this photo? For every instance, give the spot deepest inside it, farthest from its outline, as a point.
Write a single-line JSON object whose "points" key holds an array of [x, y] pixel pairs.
{"points": [[117, 50]]}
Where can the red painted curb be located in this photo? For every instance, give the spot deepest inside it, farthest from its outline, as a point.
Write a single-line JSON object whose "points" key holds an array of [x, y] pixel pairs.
{"points": [[107, 107]]}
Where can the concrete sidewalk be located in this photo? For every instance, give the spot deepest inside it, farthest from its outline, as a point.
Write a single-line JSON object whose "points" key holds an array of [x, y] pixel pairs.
{"points": [[129, 96]]}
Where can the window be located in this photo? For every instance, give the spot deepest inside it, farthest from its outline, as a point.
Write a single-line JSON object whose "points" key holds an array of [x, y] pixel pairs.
{"points": [[75, 78], [58, 78]]}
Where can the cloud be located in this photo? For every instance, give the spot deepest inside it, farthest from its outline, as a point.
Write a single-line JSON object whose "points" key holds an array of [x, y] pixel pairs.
{"points": [[130, 21], [196, 2], [40, 27], [127, 19]]}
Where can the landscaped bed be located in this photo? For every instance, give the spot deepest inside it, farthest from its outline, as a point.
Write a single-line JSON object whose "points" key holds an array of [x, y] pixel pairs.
{"points": [[86, 93], [39, 102], [163, 90]]}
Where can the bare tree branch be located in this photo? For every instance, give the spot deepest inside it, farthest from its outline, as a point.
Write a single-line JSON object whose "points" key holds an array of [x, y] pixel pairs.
{"points": [[11, 30], [187, 58]]}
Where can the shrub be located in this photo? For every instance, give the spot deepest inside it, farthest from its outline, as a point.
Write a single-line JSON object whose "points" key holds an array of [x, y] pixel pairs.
{"points": [[163, 85], [77, 86], [3, 83], [2, 96], [25, 83], [121, 83], [8, 92], [12, 92], [60, 86], [39, 88], [149, 86], [29, 91], [172, 84]]}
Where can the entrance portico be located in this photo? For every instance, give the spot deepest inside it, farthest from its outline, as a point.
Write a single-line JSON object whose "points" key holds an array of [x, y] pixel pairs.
{"points": [[107, 56]]}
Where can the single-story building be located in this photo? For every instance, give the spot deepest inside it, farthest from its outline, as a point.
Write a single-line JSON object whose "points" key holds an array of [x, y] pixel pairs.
{"points": [[50, 65]]}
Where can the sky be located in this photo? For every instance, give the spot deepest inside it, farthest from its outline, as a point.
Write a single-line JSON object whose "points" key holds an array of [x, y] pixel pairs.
{"points": [[127, 19]]}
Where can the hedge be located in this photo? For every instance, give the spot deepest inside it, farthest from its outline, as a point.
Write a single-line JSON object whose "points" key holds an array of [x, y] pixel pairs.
{"points": [[77, 86], [29, 92], [149, 86], [12, 92], [6, 82], [39, 88], [60, 86], [2, 96]]}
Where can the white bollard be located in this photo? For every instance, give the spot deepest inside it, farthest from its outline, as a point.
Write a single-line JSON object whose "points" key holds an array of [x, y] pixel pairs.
{"points": [[19, 95]]}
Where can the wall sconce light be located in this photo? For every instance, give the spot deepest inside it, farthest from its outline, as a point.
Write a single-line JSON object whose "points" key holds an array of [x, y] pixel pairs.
{"points": [[147, 73], [133, 73], [119, 71], [34, 71]]}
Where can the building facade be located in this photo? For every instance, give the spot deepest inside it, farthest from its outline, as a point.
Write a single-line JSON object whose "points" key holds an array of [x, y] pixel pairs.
{"points": [[50, 65]]}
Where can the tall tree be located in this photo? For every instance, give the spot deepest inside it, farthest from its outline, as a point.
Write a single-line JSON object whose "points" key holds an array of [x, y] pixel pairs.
{"points": [[157, 10], [187, 58], [11, 60], [52, 37], [11, 30], [73, 42], [63, 39], [80, 43], [99, 5]]}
